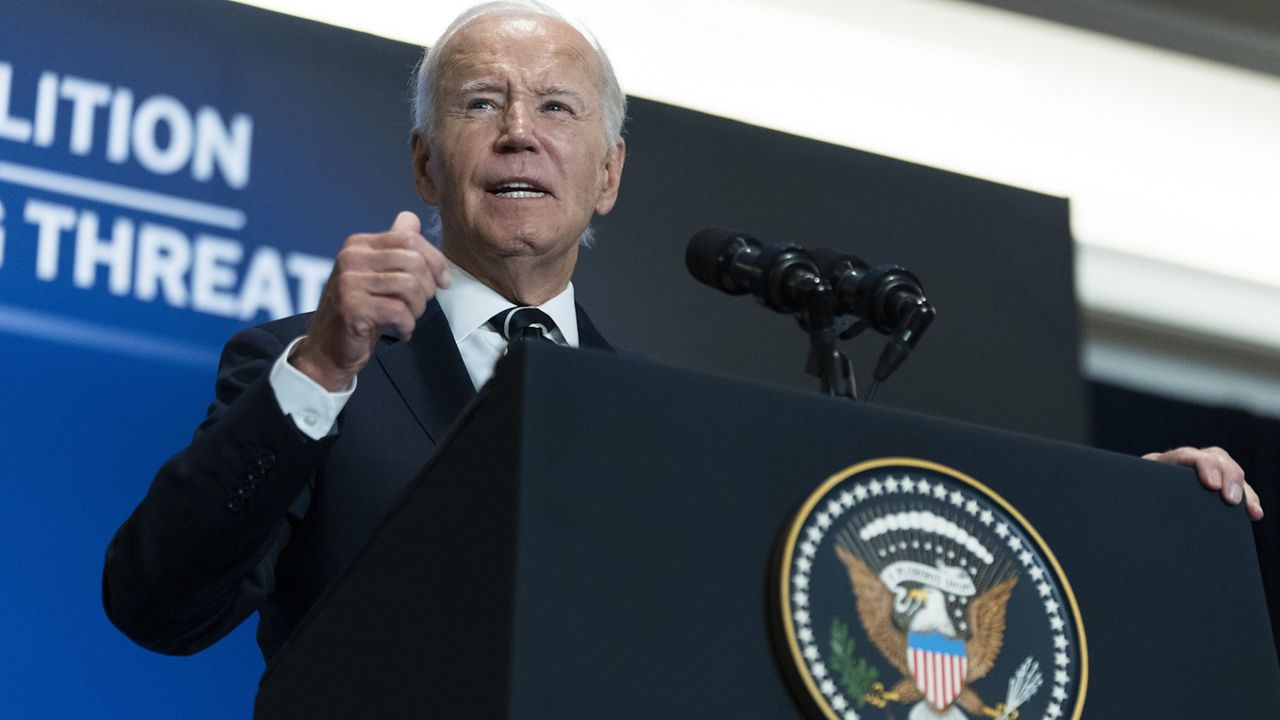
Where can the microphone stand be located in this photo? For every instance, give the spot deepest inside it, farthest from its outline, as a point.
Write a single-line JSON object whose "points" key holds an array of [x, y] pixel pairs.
{"points": [[832, 367]]}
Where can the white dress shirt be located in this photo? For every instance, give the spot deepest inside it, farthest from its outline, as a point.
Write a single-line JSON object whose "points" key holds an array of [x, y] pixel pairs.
{"points": [[467, 304]]}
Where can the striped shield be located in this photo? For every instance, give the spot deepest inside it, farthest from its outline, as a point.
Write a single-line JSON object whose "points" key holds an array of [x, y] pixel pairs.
{"points": [[939, 665]]}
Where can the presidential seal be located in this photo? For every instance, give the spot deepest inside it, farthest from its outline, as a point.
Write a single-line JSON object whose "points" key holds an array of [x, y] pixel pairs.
{"points": [[908, 589]]}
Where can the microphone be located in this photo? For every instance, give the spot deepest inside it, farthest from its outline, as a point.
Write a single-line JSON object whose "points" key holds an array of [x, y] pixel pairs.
{"points": [[882, 295], [780, 276], [889, 298]]}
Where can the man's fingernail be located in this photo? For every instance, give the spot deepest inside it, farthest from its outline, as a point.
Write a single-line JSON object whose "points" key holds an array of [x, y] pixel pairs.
{"points": [[1233, 494], [446, 278]]}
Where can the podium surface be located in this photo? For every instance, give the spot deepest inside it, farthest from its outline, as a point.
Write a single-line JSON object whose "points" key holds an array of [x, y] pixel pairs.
{"points": [[600, 538]]}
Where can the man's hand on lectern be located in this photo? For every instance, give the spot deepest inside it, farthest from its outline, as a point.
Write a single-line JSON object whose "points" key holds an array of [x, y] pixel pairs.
{"points": [[1217, 472]]}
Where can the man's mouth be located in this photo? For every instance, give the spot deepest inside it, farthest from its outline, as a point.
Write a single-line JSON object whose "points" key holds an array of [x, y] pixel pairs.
{"points": [[517, 190]]}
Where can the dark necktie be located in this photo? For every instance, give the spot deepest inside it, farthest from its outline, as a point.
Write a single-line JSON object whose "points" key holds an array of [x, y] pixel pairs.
{"points": [[523, 323]]}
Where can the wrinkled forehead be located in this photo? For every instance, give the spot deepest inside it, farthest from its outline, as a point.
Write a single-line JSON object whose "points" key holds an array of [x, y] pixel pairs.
{"points": [[534, 48]]}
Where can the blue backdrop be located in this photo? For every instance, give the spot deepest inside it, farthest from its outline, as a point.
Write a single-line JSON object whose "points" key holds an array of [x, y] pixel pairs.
{"points": [[168, 173]]}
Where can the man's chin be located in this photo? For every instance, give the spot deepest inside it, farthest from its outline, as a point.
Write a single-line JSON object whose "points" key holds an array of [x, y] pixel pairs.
{"points": [[527, 241]]}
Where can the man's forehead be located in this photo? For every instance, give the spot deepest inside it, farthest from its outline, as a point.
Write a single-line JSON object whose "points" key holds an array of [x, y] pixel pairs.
{"points": [[539, 48]]}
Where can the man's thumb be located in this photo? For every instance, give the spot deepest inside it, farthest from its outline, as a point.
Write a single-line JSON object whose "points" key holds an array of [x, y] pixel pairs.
{"points": [[407, 222]]}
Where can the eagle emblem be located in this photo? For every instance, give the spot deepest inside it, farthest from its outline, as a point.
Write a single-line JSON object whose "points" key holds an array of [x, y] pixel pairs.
{"points": [[905, 584], [936, 661]]}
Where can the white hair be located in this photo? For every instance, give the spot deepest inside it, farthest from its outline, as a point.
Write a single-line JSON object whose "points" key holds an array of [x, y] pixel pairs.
{"points": [[425, 100]]}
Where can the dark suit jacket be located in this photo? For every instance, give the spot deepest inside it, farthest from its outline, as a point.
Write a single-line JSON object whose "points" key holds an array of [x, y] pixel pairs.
{"points": [[254, 515]]}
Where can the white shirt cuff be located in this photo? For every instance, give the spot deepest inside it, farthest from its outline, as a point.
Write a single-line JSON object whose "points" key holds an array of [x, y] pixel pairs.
{"points": [[314, 410]]}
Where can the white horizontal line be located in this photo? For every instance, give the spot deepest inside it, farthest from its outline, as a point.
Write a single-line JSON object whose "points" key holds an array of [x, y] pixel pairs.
{"points": [[104, 338], [123, 196], [1161, 372], [1195, 301]]}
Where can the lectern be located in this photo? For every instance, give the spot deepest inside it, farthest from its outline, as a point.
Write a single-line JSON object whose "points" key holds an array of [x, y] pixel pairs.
{"points": [[603, 537]]}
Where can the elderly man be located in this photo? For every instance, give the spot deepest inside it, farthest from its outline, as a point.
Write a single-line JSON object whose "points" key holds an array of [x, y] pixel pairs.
{"points": [[320, 422], [518, 143]]}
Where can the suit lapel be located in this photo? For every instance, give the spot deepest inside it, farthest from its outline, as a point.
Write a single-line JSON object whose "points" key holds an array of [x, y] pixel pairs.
{"points": [[428, 372]]}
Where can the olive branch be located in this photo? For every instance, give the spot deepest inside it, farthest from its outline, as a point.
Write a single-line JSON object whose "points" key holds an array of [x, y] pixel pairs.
{"points": [[856, 675]]}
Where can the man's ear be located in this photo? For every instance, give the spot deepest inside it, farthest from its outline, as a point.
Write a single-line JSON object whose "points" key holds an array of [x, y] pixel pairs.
{"points": [[421, 151], [613, 163]]}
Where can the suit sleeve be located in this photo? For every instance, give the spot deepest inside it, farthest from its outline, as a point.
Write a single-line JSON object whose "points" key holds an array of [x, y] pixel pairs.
{"points": [[197, 555]]}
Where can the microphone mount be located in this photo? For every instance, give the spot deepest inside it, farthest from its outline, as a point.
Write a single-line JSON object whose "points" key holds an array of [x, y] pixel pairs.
{"points": [[834, 296]]}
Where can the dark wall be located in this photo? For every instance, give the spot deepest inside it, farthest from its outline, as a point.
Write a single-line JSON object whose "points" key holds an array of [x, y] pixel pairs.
{"points": [[996, 262]]}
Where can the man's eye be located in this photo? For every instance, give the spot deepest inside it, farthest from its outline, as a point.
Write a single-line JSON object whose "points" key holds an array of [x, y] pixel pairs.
{"points": [[554, 106], [480, 104]]}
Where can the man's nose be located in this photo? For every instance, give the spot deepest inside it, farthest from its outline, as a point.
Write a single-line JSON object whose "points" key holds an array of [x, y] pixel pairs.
{"points": [[517, 132]]}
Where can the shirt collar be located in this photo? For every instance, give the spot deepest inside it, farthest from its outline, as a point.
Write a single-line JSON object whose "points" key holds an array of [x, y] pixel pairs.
{"points": [[468, 304]]}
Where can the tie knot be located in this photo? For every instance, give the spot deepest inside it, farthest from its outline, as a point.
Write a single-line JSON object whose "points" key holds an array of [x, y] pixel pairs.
{"points": [[523, 323]]}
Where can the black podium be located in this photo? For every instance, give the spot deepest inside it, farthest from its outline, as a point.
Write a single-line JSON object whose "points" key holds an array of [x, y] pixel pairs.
{"points": [[600, 536]]}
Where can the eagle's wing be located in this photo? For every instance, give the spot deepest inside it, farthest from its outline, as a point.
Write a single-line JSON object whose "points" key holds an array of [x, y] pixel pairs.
{"points": [[875, 610], [986, 628]]}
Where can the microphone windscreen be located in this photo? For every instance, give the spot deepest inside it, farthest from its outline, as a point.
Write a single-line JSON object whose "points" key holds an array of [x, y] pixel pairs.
{"points": [[708, 252]]}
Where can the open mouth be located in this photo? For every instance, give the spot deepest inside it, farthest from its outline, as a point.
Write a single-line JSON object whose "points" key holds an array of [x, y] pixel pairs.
{"points": [[517, 190]]}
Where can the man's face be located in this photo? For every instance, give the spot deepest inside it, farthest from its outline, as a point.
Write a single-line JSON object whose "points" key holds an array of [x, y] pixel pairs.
{"points": [[518, 159]]}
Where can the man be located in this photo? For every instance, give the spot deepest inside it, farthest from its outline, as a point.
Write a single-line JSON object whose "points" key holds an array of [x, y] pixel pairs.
{"points": [[518, 144], [320, 422]]}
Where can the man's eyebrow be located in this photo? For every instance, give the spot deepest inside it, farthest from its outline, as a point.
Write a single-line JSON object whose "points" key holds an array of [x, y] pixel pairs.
{"points": [[477, 87], [472, 87], [558, 90]]}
